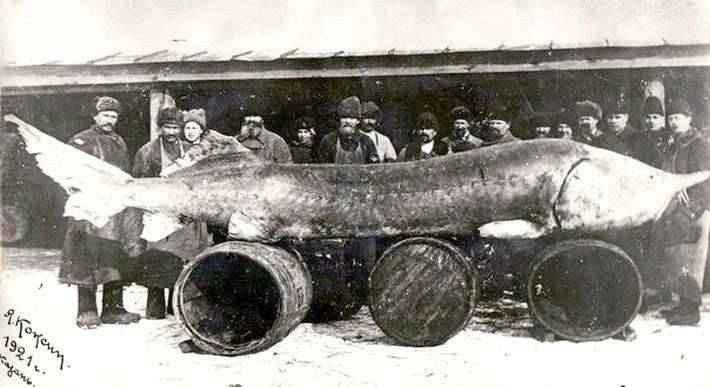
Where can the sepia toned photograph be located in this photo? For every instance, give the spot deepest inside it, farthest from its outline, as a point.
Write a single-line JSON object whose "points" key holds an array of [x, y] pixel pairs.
{"points": [[373, 193]]}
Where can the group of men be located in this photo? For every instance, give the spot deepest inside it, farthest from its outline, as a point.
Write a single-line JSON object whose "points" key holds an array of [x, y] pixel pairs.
{"points": [[94, 256]]}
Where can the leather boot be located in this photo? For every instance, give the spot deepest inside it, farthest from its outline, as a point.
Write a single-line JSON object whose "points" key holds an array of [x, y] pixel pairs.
{"points": [[155, 305], [686, 313], [169, 308], [626, 334], [87, 315], [113, 311]]}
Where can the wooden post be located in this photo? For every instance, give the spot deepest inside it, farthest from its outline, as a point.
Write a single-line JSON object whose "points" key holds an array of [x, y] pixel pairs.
{"points": [[159, 99]]}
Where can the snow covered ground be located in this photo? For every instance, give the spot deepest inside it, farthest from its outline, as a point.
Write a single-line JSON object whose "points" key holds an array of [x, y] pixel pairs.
{"points": [[494, 350]]}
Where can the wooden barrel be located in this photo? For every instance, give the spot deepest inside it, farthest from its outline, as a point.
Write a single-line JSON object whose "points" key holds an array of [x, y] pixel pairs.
{"points": [[239, 297], [14, 223], [584, 290], [422, 291]]}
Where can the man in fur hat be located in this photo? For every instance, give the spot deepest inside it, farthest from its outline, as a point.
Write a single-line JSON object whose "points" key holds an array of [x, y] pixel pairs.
{"points": [[160, 265], [653, 141], [496, 128], [461, 139], [348, 145], [620, 136], [425, 144], [588, 114], [681, 234], [369, 125], [543, 123], [254, 135], [93, 255]]}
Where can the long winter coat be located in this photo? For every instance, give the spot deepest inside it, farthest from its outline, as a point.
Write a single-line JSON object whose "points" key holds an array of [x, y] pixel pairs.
{"points": [[679, 251], [93, 255]]}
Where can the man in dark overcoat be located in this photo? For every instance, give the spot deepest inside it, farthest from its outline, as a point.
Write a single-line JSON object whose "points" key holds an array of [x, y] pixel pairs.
{"points": [[681, 234], [160, 265], [100, 255], [426, 143], [347, 145], [461, 139], [620, 136], [588, 114], [497, 127]]}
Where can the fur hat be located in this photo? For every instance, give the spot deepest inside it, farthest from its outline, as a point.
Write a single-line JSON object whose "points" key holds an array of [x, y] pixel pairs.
{"points": [[195, 115], [460, 113], [253, 106], [617, 105], [350, 108], [170, 115], [588, 109], [427, 120], [304, 122], [501, 112], [679, 106], [107, 103], [544, 119], [370, 110], [653, 105]]}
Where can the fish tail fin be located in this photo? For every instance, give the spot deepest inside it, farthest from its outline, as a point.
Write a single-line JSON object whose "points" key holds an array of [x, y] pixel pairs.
{"points": [[93, 186], [677, 186]]}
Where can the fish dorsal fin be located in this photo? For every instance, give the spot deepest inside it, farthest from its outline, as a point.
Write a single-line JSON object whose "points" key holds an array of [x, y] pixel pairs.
{"points": [[218, 145], [213, 164]]}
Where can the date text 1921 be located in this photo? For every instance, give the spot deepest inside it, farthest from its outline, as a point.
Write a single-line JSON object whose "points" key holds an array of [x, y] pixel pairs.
{"points": [[25, 329]]}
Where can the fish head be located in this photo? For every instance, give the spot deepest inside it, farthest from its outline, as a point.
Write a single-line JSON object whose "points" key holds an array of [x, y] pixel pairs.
{"points": [[606, 191]]}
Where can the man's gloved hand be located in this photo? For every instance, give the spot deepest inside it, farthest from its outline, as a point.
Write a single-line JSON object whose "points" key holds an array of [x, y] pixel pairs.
{"points": [[680, 227], [135, 248]]}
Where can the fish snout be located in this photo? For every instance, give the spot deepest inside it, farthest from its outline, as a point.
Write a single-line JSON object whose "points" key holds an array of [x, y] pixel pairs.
{"points": [[617, 193]]}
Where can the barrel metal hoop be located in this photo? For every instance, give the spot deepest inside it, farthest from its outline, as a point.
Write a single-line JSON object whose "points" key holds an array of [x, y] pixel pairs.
{"points": [[254, 252]]}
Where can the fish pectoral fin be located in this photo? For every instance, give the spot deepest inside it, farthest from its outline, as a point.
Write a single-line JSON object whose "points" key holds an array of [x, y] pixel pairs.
{"points": [[246, 228], [513, 229], [157, 226]]}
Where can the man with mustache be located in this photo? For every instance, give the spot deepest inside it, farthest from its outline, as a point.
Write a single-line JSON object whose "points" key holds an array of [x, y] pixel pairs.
{"points": [[253, 134], [588, 114], [681, 234], [425, 144], [157, 154], [162, 261], [92, 255], [348, 145], [461, 138], [496, 128]]}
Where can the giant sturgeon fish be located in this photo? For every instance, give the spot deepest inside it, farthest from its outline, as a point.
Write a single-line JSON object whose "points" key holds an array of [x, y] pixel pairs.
{"points": [[523, 189]]}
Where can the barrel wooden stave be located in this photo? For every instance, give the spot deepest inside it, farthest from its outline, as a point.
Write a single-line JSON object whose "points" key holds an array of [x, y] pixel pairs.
{"points": [[422, 291], [239, 297], [584, 290]]}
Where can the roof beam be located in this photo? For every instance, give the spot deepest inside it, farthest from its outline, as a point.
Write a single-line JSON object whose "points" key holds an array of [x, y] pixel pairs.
{"points": [[17, 79]]}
